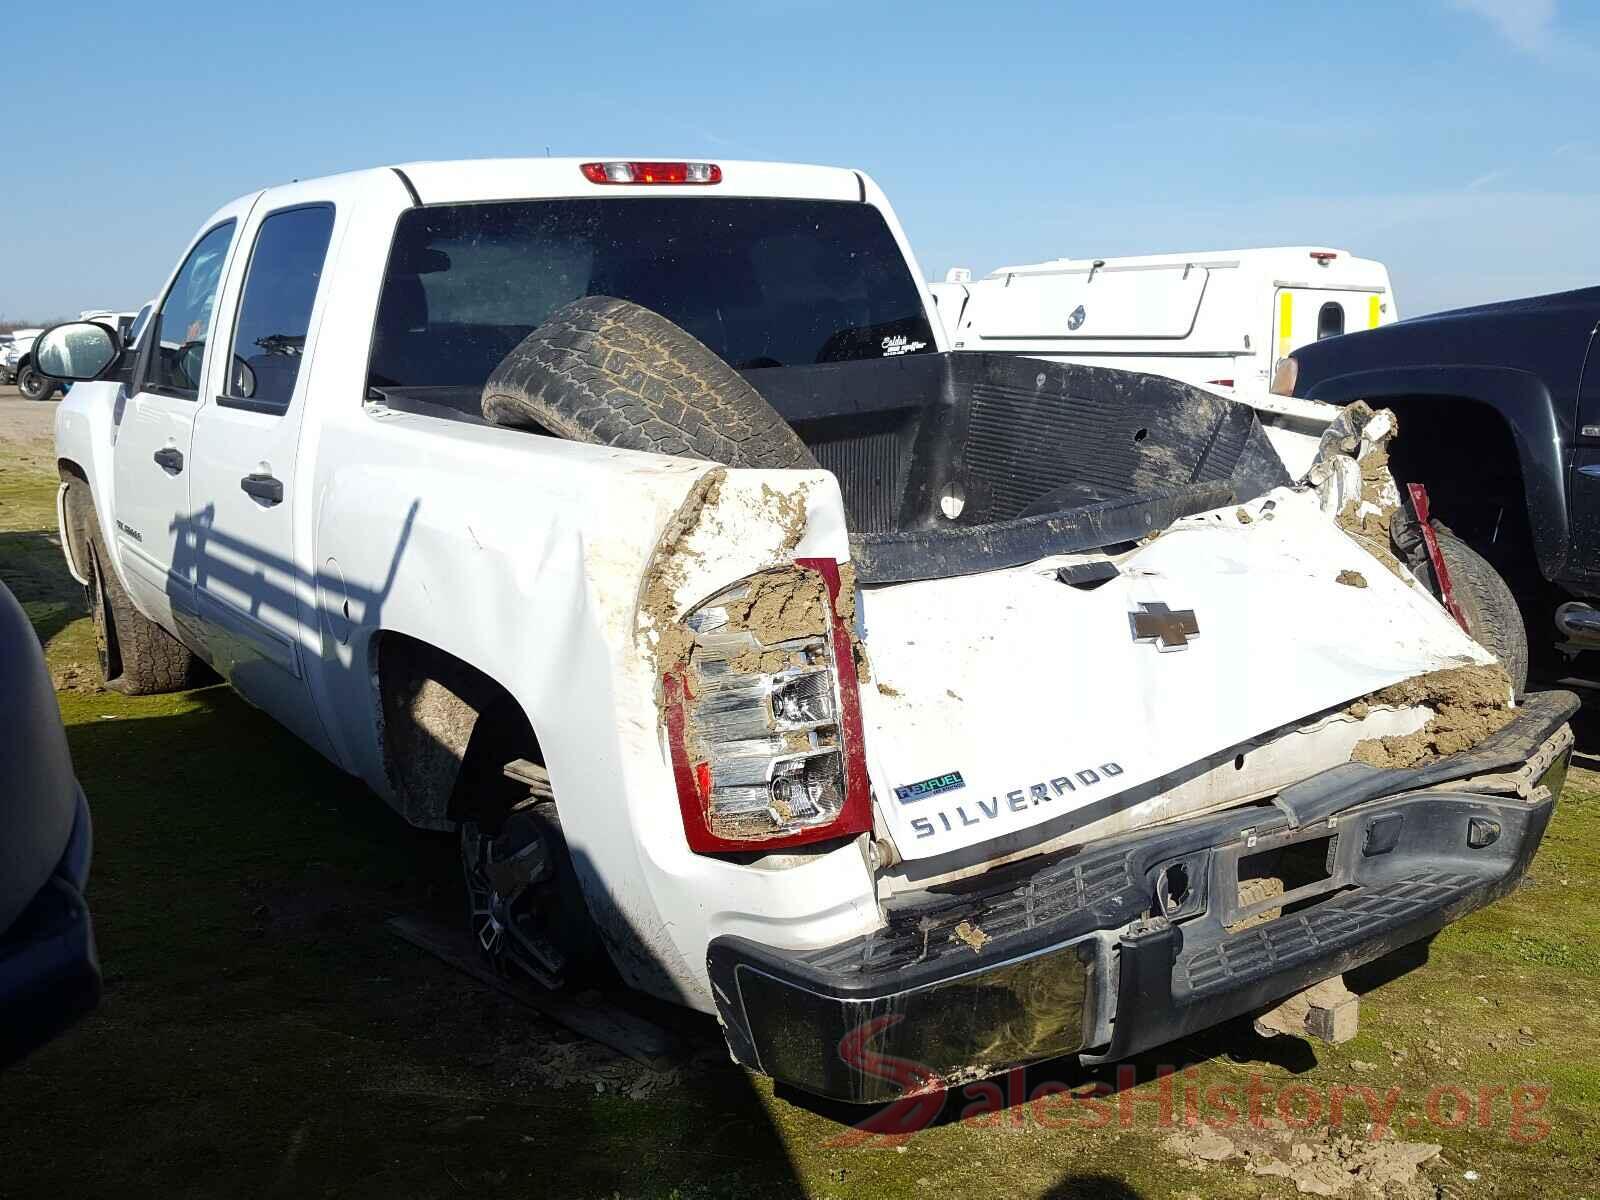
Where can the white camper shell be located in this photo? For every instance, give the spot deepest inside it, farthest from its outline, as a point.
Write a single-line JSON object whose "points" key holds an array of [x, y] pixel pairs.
{"points": [[1219, 319]]}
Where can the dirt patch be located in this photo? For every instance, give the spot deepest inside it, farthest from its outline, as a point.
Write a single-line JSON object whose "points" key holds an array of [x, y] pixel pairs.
{"points": [[1241, 516], [665, 573], [1468, 703], [1253, 891], [1353, 579], [790, 512], [970, 935], [1352, 473], [781, 604], [1367, 517], [763, 662], [844, 607], [844, 604], [556, 1064], [1331, 1164], [29, 425]]}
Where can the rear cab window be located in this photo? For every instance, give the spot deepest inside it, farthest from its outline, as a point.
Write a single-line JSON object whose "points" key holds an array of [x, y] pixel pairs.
{"points": [[762, 282]]}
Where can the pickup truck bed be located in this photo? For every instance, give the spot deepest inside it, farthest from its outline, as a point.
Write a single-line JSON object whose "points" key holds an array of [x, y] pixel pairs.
{"points": [[955, 463]]}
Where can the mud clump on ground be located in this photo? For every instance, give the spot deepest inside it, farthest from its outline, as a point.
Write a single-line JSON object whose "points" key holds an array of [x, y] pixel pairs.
{"points": [[1353, 579], [1468, 703], [1325, 1164]]}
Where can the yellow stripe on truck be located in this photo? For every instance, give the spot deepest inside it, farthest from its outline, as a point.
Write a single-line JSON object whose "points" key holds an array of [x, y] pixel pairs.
{"points": [[1285, 323], [1373, 309]]}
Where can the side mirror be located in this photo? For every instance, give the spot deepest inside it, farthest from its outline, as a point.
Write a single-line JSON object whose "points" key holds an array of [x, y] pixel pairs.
{"points": [[77, 351]]}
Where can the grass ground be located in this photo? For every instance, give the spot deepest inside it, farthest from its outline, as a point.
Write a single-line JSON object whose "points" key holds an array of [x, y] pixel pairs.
{"points": [[263, 1034]]}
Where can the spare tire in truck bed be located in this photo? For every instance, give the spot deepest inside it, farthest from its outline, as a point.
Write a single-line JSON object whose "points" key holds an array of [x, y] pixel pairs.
{"points": [[609, 372]]}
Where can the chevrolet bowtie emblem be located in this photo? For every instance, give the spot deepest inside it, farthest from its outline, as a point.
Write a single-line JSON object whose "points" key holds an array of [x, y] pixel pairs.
{"points": [[1167, 629]]}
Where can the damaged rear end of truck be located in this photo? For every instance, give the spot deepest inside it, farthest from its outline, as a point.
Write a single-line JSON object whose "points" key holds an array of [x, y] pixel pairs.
{"points": [[1132, 734]]}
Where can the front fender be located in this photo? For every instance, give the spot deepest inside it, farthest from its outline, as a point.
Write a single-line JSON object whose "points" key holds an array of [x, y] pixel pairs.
{"points": [[86, 431], [1522, 401]]}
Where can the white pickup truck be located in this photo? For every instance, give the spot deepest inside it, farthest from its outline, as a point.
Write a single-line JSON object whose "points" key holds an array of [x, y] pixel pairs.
{"points": [[897, 706]]}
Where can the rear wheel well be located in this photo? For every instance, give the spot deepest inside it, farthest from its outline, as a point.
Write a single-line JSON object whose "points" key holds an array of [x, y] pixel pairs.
{"points": [[447, 730]]}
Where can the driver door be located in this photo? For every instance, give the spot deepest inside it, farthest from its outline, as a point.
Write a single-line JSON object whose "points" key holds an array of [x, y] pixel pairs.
{"points": [[155, 429]]}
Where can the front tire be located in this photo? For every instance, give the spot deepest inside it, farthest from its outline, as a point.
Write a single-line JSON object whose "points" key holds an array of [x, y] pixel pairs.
{"points": [[1493, 618], [137, 656]]}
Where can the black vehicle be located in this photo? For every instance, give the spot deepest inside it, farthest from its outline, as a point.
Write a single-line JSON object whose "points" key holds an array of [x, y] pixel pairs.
{"points": [[49, 972], [1499, 412]]}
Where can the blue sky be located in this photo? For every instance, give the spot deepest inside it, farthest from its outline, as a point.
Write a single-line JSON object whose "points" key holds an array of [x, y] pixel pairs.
{"points": [[1457, 140]]}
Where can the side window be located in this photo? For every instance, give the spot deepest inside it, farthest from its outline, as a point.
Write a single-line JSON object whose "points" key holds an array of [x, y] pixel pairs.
{"points": [[185, 316], [280, 288], [1330, 320]]}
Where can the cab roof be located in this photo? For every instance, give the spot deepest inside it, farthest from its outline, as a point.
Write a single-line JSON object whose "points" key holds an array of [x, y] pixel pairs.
{"points": [[489, 179]]}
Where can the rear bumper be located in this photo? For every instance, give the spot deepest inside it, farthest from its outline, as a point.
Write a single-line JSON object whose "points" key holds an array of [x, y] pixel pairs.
{"points": [[1129, 943]]}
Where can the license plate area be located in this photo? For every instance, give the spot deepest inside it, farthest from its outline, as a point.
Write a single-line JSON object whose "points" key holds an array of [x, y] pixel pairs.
{"points": [[1286, 870]]}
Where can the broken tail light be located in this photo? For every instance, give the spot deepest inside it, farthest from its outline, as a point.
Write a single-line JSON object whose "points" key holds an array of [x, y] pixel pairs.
{"points": [[764, 717]]}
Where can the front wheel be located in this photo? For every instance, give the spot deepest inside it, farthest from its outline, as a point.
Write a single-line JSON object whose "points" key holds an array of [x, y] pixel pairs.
{"points": [[35, 386], [137, 656], [1493, 618]]}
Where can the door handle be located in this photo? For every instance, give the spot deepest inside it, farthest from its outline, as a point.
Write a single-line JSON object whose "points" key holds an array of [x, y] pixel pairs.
{"points": [[263, 487], [169, 460]]}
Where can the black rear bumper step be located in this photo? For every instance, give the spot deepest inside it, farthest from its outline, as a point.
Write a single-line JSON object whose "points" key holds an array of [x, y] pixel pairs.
{"points": [[1071, 953]]}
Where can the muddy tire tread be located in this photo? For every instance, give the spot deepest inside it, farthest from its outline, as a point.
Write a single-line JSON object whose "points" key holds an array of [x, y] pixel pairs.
{"points": [[612, 373], [139, 658], [1491, 610]]}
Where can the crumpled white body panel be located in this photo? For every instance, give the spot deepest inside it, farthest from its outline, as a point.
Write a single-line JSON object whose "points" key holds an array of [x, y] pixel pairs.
{"points": [[1038, 695]]}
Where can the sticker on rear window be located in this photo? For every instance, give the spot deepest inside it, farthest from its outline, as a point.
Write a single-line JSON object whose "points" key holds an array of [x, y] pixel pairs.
{"points": [[900, 344], [913, 792]]}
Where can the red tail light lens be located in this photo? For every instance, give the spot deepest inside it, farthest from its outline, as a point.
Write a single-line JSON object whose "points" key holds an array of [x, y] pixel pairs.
{"points": [[652, 172], [764, 722]]}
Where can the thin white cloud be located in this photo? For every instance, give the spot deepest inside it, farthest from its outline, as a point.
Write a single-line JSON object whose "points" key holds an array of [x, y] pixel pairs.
{"points": [[1531, 27], [1488, 177]]}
